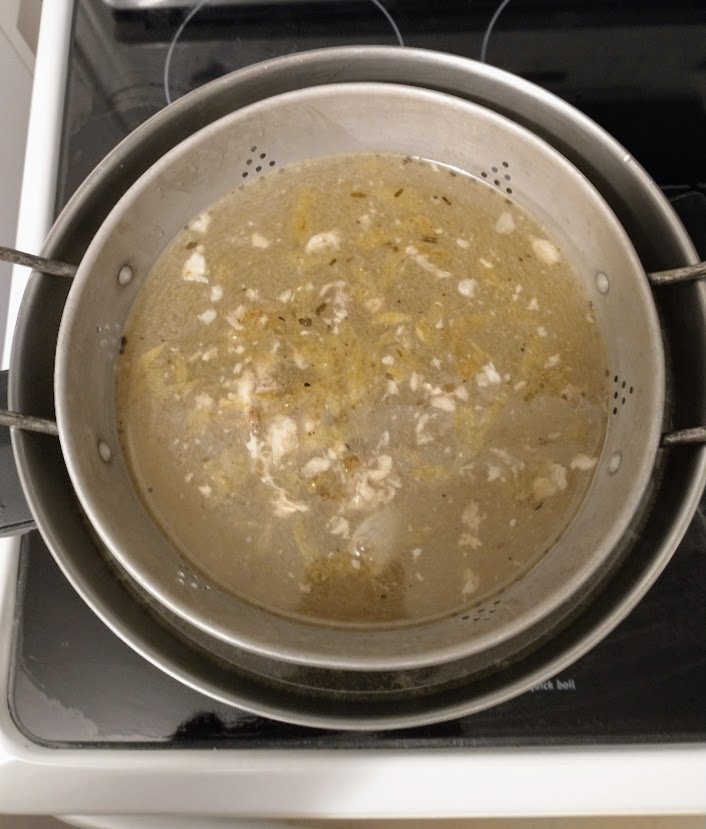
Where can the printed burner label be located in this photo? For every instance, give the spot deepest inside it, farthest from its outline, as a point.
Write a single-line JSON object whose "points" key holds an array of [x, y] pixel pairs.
{"points": [[556, 684]]}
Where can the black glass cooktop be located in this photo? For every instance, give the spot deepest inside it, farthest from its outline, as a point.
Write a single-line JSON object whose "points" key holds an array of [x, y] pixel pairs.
{"points": [[637, 67]]}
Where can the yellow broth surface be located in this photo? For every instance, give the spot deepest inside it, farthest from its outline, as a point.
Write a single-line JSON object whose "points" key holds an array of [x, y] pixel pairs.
{"points": [[363, 389]]}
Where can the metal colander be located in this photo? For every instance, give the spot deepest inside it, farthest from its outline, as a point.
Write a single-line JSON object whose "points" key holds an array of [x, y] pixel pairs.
{"points": [[322, 121]]}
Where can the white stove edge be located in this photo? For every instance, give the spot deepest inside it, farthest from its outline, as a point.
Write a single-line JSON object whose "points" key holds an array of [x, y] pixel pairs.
{"points": [[36, 211], [616, 780]]}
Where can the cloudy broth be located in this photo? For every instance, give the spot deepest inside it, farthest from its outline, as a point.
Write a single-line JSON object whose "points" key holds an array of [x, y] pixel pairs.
{"points": [[363, 389]]}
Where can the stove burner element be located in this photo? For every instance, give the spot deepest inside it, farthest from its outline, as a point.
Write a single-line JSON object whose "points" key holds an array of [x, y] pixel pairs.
{"points": [[197, 8], [489, 30]]}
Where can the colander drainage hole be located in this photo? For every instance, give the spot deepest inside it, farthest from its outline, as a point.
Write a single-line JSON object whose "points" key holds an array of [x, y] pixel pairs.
{"points": [[261, 157], [496, 171], [621, 392]]}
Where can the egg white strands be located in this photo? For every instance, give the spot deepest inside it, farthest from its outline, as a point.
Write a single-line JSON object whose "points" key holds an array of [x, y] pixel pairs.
{"points": [[364, 389]]}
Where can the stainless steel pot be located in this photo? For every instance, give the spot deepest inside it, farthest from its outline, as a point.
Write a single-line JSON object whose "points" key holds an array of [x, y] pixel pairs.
{"points": [[438, 670], [320, 121]]}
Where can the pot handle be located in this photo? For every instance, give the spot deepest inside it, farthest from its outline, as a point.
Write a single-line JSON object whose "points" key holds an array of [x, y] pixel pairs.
{"points": [[37, 263], [53, 268], [682, 436], [675, 277], [15, 515], [28, 422]]}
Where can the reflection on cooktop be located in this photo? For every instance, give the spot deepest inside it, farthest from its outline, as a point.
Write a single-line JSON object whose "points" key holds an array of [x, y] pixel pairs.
{"points": [[76, 682], [637, 69]]}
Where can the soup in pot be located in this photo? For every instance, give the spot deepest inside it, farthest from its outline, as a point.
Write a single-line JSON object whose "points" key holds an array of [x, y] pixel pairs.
{"points": [[363, 389]]}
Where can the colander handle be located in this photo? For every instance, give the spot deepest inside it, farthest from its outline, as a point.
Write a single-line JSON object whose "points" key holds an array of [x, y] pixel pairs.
{"points": [[28, 422], [37, 263], [683, 436], [53, 268], [674, 277], [677, 275], [15, 515]]}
